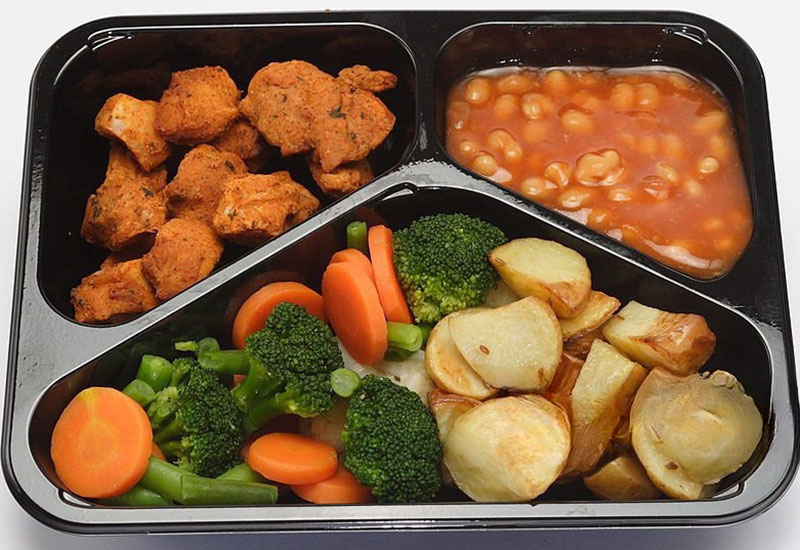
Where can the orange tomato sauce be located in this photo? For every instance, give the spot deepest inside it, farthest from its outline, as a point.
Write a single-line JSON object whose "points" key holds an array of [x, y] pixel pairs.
{"points": [[648, 157]]}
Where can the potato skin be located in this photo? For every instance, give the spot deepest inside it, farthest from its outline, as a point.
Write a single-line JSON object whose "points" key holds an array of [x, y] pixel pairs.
{"points": [[509, 449]]}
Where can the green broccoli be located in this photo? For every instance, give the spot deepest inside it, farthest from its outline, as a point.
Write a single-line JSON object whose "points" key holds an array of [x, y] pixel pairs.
{"points": [[392, 442], [442, 263], [196, 422], [291, 361]]}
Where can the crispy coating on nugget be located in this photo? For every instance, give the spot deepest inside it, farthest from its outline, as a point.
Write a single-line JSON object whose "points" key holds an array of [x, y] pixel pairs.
{"points": [[244, 141], [299, 108], [128, 207], [113, 291], [185, 252], [197, 187], [259, 207], [365, 78], [131, 121], [343, 179], [198, 105]]}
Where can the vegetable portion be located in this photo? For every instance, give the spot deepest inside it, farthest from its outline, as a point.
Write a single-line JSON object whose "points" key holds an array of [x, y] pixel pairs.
{"points": [[623, 478], [257, 308], [357, 236], [356, 257], [292, 459], [391, 442], [341, 488], [101, 443], [381, 251], [442, 264]]}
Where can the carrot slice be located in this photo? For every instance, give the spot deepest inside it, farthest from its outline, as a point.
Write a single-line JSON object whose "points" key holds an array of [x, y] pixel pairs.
{"points": [[355, 256], [292, 458], [355, 313], [393, 300], [256, 309], [157, 452], [341, 488], [101, 443]]}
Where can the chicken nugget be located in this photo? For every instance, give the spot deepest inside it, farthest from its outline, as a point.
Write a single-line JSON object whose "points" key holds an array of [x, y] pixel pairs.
{"points": [[128, 207], [243, 140], [259, 207], [299, 108], [343, 179], [185, 252], [113, 291], [197, 187], [361, 76], [198, 105], [131, 121]]}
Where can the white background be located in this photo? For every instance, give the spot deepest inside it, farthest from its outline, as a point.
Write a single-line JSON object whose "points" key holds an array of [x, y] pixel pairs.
{"points": [[769, 26]]}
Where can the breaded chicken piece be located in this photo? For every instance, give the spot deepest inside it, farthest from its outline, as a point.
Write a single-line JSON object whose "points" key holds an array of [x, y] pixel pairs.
{"points": [[259, 207], [128, 207], [197, 187], [299, 108], [185, 252], [199, 105], [243, 140], [343, 179], [131, 121], [113, 291], [361, 76]]}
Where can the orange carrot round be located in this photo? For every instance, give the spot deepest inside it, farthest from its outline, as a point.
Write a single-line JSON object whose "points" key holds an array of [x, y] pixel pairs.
{"points": [[354, 311], [292, 458], [157, 452], [355, 256], [341, 488], [256, 309], [393, 300], [101, 443]]}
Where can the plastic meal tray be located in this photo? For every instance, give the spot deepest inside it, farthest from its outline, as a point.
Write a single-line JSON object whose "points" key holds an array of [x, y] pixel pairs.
{"points": [[52, 357]]}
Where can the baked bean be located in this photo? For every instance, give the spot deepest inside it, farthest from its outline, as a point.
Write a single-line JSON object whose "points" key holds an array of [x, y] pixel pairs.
{"points": [[535, 131], [537, 187], [620, 194], [623, 97], [672, 146], [484, 164], [588, 100], [710, 122], [657, 187], [557, 81], [708, 165], [514, 84], [576, 121], [458, 115], [599, 168], [536, 105], [590, 79], [720, 147], [627, 139], [648, 145], [501, 176], [478, 91], [667, 171], [713, 224], [645, 120], [678, 81], [600, 219], [506, 106], [512, 151], [693, 187], [558, 172], [574, 198], [646, 96], [467, 147], [497, 139]]}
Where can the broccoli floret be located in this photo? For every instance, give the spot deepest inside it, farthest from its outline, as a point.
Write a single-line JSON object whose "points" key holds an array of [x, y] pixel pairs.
{"points": [[392, 442], [196, 422], [442, 263], [295, 354]]}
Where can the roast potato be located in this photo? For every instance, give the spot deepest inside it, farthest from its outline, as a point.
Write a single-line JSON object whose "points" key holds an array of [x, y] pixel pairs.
{"points": [[517, 346], [546, 270], [500, 296], [623, 478], [509, 449], [446, 408], [580, 344], [690, 432], [678, 342], [600, 399], [560, 389], [598, 309], [447, 367]]}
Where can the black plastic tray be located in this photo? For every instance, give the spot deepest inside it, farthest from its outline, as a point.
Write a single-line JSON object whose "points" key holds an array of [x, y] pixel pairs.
{"points": [[52, 357]]}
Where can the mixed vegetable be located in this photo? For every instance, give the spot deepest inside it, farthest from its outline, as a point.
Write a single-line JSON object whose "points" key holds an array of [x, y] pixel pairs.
{"points": [[442, 354]]}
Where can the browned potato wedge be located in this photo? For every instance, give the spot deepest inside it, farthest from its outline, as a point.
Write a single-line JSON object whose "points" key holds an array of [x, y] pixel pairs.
{"points": [[500, 296], [447, 367], [622, 437], [678, 342], [546, 270], [623, 478], [516, 346], [509, 449], [580, 344], [600, 399], [690, 432], [560, 389], [446, 409], [598, 309]]}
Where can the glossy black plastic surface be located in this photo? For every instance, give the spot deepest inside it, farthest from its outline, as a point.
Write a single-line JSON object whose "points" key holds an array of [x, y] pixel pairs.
{"points": [[52, 357]]}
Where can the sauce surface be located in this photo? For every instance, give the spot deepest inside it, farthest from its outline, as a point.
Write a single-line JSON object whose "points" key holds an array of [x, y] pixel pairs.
{"points": [[647, 157]]}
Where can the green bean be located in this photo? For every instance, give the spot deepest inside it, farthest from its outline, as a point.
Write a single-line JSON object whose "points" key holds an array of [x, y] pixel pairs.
{"points": [[156, 371]]}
